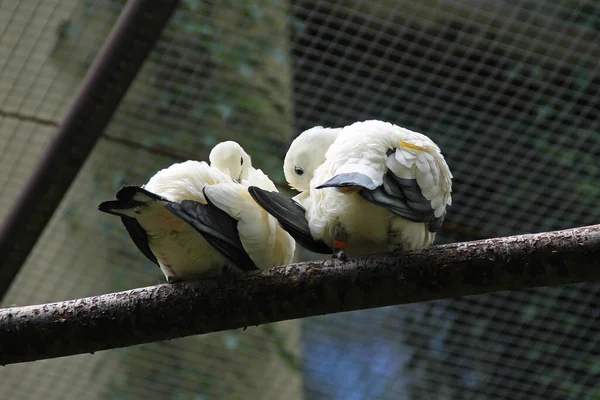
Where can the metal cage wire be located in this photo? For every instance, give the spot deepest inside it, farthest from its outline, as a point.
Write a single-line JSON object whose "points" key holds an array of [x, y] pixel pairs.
{"points": [[509, 91]]}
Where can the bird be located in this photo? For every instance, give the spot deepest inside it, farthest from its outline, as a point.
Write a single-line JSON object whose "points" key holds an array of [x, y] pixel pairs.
{"points": [[380, 188], [264, 240], [206, 242]]}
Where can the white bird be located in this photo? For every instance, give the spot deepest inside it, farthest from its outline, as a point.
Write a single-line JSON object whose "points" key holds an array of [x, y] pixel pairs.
{"points": [[210, 241], [264, 240], [380, 187]]}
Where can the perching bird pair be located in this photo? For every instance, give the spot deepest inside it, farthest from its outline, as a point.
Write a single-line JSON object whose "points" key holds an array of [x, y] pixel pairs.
{"points": [[366, 188]]}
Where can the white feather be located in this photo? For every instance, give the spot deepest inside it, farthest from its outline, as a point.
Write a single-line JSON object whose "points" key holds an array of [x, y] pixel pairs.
{"points": [[267, 244], [305, 154], [362, 147], [185, 181]]}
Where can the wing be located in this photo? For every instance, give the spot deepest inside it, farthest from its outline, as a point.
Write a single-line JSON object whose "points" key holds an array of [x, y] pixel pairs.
{"points": [[403, 197], [265, 241], [416, 186], [139, 237], [291, 217], [217, 227], [350, 182]]}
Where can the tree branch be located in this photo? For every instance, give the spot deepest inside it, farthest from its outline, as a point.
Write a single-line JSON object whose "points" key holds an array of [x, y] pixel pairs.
{"points": [[296, 291]]}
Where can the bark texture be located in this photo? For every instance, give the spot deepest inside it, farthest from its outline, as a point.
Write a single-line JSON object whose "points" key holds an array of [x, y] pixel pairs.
{"points": [[296, 291]]}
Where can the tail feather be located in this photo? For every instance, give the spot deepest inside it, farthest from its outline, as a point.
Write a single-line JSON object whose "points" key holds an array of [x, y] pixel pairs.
{"points": [[290, 216], [139, 237], [128, 197]]}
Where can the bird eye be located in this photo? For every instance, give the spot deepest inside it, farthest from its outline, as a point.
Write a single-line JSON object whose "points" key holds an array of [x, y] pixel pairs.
{"points": [[241, 160], [298, 170]]}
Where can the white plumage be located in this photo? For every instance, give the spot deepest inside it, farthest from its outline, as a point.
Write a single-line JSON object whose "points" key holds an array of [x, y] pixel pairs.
{"points": [[305, 154], [267, 244], [378, 188], [374, 148], [171, 222], [230, 158]]}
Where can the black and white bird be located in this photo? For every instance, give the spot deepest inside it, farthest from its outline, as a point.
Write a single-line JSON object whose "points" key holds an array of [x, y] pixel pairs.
{"points": [[376, 187], [197, 220]]}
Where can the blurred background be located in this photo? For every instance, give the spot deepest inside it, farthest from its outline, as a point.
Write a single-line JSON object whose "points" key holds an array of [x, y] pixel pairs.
{"points": [[510, 90]]}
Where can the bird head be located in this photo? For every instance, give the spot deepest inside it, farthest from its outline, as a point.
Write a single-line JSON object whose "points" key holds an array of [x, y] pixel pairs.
{"points": [[230, 157], [305, 154]]}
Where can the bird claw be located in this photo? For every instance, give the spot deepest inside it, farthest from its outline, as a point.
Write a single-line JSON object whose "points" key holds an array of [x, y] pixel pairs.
{"points": [[340, 255], [339, 242]]}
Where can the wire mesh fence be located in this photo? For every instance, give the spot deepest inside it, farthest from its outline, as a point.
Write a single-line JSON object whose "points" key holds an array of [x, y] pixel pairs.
{"points": [[508, 89]]}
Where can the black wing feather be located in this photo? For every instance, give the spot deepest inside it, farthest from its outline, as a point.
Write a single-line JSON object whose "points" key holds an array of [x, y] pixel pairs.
{"points": [[290, 216], [217, 227], [403, 197], [125, 200], [139, 237]]}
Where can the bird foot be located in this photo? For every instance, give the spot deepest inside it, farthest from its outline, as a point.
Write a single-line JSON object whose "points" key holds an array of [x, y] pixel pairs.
{"points": [[340, 254], [340, 242], [173, 279]]}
